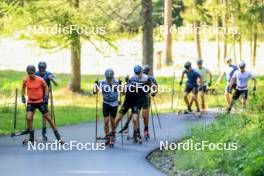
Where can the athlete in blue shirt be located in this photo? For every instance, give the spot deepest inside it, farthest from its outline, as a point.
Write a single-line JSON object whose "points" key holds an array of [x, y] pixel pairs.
{"points": [[48, 78], [228, 71], [191, 85], [109, 88]]}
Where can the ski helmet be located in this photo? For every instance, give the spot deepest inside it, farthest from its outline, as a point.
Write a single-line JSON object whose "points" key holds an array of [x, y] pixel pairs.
{"points": [[242, 65], [187, 65], [109, 73], [42, 65], [137, 69], [199, 62], [31, 69], [146, 69], [228, 59]]}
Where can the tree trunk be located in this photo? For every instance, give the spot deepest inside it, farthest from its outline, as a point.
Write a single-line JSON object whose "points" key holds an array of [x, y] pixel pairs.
{"points": [[197, 39], [225, 28], [168, 35], [75, 83], [254, 54], [240, 46], [218, 51], [147, 33]]}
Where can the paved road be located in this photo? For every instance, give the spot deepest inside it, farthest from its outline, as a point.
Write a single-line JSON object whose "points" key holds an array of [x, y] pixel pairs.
{"points": [[128, 159]]}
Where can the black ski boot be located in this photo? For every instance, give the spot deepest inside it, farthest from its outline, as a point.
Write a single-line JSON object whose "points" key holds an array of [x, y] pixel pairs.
{"points": [[44, 136], [137, 137], [124, 129], [58, 137], [31, 138], [146, 133]]}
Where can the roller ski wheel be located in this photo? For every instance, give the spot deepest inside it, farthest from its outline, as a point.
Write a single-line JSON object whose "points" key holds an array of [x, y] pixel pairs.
{"points": [[61, 142], [198, 114], [26, 141], [137, 140]]}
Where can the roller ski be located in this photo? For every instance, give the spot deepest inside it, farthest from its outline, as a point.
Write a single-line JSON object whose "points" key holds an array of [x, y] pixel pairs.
{"points": [[110, 140], [20, 134], [137, 138], [29, 141]]}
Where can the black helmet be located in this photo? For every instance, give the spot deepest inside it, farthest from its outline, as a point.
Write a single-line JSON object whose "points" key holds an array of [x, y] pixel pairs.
{"points": [[42, 66], [199, 62], [31, 69], [146, 69], [109, 74], [242, 65], [187, 65]]}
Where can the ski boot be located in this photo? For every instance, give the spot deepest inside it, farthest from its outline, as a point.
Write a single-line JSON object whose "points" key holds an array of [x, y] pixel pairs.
{"points": [[31, 139], [189, 110], [124, 129], [44, 136], [137, 138], [146, 133], [198, 113], [58, 137], [110, 140]]}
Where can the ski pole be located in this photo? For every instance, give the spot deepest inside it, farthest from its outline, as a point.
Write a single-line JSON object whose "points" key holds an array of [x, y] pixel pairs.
{"points": [[156, 111], [15, 113], [96, 114], [52, 106], [172, 92], [152, 119]]}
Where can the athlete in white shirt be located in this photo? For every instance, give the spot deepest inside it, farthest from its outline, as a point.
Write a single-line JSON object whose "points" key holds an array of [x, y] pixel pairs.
{"points": [[241, 77]]}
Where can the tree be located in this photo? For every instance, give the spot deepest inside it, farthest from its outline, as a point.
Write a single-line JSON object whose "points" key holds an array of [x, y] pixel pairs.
{"points": [[147, 33], [75, 44], [168, 35]]}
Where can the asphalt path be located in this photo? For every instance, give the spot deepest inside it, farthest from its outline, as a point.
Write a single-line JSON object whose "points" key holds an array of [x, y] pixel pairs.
{"points": [[126, 159]]}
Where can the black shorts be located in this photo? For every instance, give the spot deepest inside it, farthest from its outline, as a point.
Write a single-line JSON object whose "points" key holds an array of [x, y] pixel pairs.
{"points": [[229, 90], [127, 105], [193, 89], [143, 102], [237, 94], [109, 110], [42, 107], [203, 89]]}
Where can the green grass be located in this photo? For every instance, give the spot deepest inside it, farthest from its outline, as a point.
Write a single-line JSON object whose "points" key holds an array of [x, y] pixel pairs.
{"points": [[246, 129]]}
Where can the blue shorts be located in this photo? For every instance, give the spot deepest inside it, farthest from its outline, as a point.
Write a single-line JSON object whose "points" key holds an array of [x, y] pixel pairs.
{"points": [[229, 90]]}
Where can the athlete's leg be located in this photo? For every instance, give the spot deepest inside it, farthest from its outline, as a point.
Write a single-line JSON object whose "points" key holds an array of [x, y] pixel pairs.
{"points": [[106, 124], [245, 97], [195, 99], [234, 98], [186, 99]]}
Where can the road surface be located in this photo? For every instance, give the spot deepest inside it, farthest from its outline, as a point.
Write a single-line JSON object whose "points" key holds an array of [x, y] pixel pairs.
{"points": [[129, 159]]}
